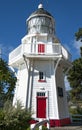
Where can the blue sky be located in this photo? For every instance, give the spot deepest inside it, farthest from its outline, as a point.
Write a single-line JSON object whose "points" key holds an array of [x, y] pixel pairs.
{"points": [[13, 15]]}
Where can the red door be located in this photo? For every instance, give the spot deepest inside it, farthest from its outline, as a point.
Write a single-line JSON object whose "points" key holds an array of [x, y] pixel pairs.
{"points": [[41, 107]]}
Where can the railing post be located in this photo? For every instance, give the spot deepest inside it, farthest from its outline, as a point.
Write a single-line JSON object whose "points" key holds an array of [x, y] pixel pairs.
{"points": [[48, 125], [32, 126], [40, 124], [40, 127]]}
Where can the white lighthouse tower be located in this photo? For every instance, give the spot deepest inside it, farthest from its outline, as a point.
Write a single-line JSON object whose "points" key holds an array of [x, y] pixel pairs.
{"points": [[41, 61]]}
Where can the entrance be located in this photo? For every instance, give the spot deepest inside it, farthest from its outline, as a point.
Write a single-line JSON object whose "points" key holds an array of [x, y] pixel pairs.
{"points": [[41, 105]]}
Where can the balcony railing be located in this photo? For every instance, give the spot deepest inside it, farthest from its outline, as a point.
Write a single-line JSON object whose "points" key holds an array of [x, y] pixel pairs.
{"points": [[66, 54], [46, 49], [38, 50]]}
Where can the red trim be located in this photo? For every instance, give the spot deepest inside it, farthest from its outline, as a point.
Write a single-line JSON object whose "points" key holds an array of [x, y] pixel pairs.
{"points": [[33, 121], [60, 122], [41, 97], [41, 80], [55, 122]]}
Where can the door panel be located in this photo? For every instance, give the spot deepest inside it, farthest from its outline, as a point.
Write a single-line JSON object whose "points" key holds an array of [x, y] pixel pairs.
{"points": [[41, 107]]}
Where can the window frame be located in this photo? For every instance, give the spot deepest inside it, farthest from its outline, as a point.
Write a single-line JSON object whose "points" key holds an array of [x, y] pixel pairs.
{"points": [[42, 76]]}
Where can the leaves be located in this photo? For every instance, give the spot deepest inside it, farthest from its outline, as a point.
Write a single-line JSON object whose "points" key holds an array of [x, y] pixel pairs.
{"points": [[7, 81], [78, 34], [16, 118], [75, 78]]}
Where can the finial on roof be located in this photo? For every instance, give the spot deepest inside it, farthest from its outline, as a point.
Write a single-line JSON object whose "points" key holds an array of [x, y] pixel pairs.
{"points": [[40, 6]]}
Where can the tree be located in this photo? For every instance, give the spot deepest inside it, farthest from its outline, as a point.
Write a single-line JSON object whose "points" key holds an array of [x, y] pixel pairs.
{"points": [[7, 82], [14, 118], [78, 35], [75, 73], [75, 78]]}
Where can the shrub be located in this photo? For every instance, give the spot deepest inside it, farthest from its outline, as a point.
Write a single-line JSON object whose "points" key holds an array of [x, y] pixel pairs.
{"points": [[76, 110], [13, 118]]}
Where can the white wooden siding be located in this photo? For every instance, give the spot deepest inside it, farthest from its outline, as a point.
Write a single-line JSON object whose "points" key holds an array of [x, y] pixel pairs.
{"points": [[56, 104], [21, 86], [62, 101], [44, 86]]}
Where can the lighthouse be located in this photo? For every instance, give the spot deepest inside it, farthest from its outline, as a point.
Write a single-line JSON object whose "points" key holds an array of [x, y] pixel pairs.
{"points": [[41, 62]]}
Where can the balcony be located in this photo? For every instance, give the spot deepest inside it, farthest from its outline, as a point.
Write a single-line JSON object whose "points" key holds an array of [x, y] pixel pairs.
{"points": [[38, 50]]}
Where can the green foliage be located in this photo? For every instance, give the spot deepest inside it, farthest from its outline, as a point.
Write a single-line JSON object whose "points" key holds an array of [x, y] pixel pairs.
{"points": [[75, 79], [76, 110], [75, 73], [7, 81], [81, 51], [12, 118], [43, 128], [78, 34]]}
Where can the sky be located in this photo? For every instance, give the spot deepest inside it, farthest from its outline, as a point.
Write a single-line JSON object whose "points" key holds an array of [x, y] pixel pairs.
{"points": [[13, 14]]}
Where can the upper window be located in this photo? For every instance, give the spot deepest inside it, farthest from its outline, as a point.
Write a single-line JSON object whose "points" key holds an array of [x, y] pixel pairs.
{"points": [[42, 76]]}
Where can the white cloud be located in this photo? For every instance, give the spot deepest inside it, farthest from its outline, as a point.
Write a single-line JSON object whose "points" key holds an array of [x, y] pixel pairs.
{"points": [[77, 45], [67, 85]]}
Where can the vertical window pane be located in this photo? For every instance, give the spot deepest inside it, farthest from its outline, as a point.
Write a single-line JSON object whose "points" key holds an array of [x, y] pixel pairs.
{"points": [[40, 75], [41, 94]]}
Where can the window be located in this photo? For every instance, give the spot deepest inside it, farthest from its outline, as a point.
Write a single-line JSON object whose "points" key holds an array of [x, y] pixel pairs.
{"points": [[41, 48], [60, 92], [41, 94], [42, 77]]}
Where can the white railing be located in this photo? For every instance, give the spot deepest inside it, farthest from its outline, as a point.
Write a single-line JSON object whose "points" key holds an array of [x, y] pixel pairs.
{"points": [[66, 54], [49, 49], [76, 118], [15, 53], [32, 49], [40, 124]]}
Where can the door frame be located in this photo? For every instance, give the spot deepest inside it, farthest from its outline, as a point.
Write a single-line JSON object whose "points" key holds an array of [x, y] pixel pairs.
{"points": [[47, 104]]}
